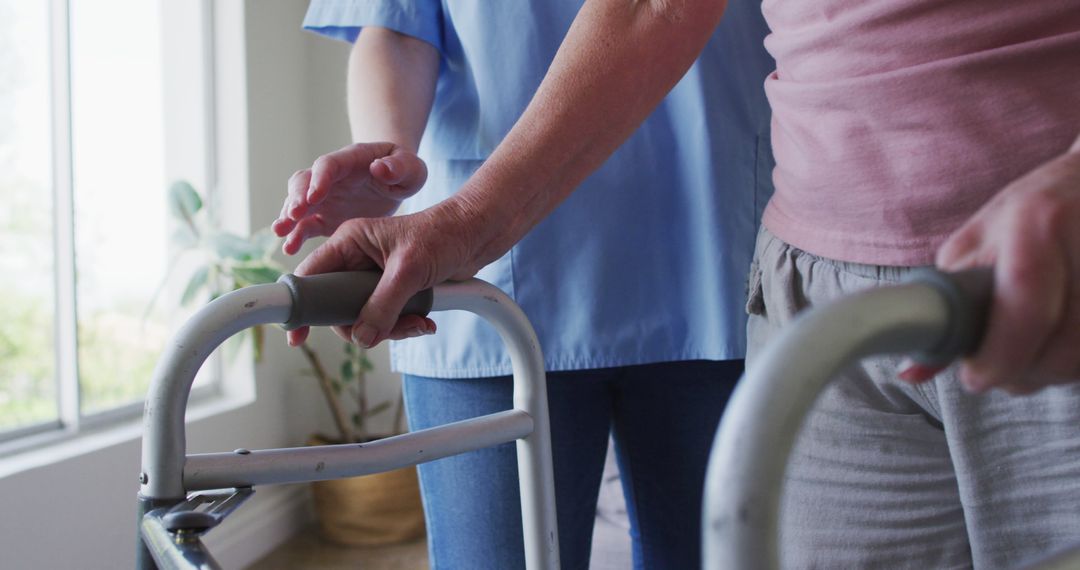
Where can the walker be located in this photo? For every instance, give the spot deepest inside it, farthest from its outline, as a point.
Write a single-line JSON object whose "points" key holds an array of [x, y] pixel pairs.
{"points": [[936, 316], [183, 496]]}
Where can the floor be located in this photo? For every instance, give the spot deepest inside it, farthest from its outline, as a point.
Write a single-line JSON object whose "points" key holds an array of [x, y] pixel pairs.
{"points": [[307, 551]]}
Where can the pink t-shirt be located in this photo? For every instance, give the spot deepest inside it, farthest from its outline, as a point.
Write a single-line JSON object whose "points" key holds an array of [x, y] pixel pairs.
{"points": [[894, 120]]}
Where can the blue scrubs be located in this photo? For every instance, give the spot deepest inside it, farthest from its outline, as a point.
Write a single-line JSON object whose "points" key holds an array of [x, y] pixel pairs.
{"points": [[644, 264]]}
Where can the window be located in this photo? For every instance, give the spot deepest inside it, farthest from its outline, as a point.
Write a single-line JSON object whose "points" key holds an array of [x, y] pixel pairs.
{"points": [[101, 106]]}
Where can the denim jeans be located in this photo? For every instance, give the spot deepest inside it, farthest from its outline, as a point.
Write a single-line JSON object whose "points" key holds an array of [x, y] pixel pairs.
{"points": [[663, 418]]}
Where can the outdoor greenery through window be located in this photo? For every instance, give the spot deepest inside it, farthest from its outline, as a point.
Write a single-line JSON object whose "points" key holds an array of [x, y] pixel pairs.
{"points": [[84, 230], [27, 336]]}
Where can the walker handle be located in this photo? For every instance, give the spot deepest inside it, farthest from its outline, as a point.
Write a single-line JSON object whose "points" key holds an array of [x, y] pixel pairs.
{"points": [[336, 298], [968, 295], [939, 314]]}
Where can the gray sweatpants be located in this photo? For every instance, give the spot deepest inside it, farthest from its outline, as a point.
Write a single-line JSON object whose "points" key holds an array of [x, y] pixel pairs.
{"points": [[890, 475]]}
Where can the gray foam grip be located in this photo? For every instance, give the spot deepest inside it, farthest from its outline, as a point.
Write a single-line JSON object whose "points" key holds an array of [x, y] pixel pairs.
{"points": [[969, 295], [336, 298]]}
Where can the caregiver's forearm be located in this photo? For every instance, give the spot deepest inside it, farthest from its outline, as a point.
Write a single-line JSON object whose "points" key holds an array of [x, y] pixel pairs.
{"points": [[391, 85], [618, 61]]}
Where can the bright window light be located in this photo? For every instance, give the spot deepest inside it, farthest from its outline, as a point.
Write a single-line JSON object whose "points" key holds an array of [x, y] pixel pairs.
{"points": [[85, 229], [28, 393]]}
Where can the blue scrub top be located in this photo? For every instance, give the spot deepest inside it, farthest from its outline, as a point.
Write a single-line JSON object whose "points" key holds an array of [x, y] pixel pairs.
{"points": [[647, 260]]}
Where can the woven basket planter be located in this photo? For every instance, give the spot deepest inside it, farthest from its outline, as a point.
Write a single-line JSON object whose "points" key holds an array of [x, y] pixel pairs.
{"points": [[378, 509]]}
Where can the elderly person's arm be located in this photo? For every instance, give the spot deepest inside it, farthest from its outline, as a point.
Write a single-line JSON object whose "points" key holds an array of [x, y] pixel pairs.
{"points": [[618, 60]]}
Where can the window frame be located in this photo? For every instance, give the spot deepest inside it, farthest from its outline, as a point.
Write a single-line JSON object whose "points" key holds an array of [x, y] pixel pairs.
{"points": [[191, 153]]}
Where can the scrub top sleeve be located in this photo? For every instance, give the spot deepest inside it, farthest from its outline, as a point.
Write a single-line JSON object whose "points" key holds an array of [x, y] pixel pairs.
{"points": [[342, 19]]}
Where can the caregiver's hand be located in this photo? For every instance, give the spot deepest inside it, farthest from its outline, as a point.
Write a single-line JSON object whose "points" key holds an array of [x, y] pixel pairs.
{"points": [[451, 240], [366, 180], [1030, 234]]}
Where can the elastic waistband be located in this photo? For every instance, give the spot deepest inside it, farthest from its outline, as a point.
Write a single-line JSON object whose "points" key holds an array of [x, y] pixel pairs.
{"points": [[769, 246]]}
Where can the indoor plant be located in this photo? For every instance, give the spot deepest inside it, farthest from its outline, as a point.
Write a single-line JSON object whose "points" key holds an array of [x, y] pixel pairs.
{"points": [[374, 509]]}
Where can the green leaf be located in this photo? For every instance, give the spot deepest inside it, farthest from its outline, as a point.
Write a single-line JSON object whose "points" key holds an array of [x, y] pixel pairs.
{"points": [[366, 365], [184, 201], [194, 285], [347, 372], [255, 274], [184, 237], [232, 246]]}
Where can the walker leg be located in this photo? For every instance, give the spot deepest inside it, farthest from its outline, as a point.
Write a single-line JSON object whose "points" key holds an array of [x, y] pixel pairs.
{"points": [[143, 559]]}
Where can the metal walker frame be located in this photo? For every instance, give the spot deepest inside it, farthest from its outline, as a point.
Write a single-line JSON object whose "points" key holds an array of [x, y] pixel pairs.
{"points": [[184, 496], [937, 316]]}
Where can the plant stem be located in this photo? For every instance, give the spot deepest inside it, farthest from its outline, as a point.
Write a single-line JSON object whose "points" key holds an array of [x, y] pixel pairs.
{"points": [[361, 400], [399, 414], [340, 420]]}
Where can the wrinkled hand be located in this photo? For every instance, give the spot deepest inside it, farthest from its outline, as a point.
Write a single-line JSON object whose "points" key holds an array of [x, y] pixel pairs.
{"points": [[361, 180], [1030, 234], [415, 252]]}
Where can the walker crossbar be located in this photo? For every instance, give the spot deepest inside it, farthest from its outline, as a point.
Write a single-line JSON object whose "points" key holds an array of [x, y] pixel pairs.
{"points": [[244, 468], [936, 316], [171, 522]]}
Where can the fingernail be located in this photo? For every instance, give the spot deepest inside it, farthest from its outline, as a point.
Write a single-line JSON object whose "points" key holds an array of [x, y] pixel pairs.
{"points": [[389, 167], [364, 335], [914, 372], [415, 332]]}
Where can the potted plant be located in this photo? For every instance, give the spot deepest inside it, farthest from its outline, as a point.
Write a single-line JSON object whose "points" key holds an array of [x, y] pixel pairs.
{"points": [[375, 509], [381, 508]]}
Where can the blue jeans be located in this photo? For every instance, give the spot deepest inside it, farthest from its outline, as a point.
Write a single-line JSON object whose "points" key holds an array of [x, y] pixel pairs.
{"points": [[663, 418]]}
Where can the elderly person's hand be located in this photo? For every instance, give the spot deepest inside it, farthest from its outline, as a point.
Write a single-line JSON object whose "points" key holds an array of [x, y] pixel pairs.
{"points": [[363, 180], [449, 241], [1030, 234]]}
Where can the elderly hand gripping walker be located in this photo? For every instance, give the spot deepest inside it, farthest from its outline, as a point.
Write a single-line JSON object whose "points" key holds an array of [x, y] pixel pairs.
{"points": [[937, 316], [184, 496]]}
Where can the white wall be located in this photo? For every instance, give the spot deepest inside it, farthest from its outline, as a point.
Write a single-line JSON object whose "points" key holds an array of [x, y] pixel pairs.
{"points": [[284, 105]]}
